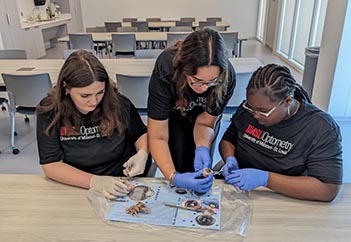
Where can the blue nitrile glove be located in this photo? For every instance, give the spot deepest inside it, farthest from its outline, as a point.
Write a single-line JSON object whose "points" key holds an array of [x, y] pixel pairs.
{"points": [[191, 180], [231, 164], [248, 178], [202, 158]]}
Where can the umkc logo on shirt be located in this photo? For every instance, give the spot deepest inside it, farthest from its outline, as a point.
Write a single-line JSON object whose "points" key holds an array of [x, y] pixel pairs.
{"points": [[84, 133], [264, 139]]}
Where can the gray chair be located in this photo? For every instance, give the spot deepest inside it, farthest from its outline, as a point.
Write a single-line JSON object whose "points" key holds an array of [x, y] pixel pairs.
{"points": [[141, 25], [4, 101], [203, 24], [10, 54], [153, 20], [181, 29], [123, 45], [214, 19], [126, 20], [81, 41], [13, 54], [188, 19], [184, 23], [127, 29], [231, 42], [174, 37], [67, 53], [112, 26], [147, 53], [135, 88], [85, 41], [25, 92], [98, 29]]}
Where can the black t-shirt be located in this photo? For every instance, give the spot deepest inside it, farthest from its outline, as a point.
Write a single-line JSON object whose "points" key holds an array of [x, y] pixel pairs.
{"points": [[307, 143], [88, 150], [163, 100]]}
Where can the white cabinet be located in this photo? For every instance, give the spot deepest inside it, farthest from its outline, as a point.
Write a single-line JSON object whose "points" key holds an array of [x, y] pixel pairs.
{"points": [[10, 25], [35, 47], [14, 36]]}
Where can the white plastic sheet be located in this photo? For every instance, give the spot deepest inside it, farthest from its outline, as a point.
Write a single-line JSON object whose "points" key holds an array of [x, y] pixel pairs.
{"points": [[236, 214]]}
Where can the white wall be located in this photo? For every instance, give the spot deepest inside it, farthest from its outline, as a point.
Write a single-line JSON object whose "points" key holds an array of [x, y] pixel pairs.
{"points": [[242, 15]]}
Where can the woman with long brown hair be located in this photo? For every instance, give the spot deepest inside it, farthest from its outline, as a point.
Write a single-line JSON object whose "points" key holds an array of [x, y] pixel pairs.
{"points": [[87, 132]]}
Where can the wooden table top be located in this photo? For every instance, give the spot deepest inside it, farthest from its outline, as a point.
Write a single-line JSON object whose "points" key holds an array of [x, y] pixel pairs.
{"points": [[34, 208]]}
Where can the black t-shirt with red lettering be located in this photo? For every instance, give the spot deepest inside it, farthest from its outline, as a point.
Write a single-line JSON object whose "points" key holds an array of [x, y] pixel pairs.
{"points": [[163, 100], [88, 150], [308, 143]]}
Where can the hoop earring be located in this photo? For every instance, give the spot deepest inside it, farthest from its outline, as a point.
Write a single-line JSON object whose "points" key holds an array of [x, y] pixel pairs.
{"points": [[289, 110]]}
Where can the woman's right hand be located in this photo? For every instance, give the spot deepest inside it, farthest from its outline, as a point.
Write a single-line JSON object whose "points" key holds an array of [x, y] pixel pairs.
{"points": [[193, 181]]}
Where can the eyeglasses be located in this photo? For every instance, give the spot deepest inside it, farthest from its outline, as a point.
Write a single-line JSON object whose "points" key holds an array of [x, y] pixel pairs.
{"points": [[265, 114], [198, 82]]}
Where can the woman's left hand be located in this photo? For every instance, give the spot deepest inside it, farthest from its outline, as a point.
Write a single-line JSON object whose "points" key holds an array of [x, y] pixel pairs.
{"points": [[136, 164], [248, 178]]}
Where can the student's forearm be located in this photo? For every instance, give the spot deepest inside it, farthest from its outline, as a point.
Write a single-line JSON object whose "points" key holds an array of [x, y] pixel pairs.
{"points": [[161, 154], [226, 149], [204, 129], [67, 174], [141, 143], [203, 135], [158, 137], [302, 187]]}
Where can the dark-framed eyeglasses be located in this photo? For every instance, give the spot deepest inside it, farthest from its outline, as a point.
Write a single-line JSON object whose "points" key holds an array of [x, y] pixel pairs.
{"points": [[265, 114], [198, 82]]}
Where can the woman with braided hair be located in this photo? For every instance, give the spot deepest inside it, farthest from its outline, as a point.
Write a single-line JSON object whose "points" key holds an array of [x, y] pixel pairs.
{"points": [[280, 140]]}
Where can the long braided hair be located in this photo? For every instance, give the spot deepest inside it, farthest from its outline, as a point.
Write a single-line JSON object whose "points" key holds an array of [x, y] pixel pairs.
{"points": [[277, 82]]}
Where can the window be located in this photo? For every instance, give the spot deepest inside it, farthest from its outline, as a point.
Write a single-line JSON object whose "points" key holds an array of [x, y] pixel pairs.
{"points": [[301, 25]]}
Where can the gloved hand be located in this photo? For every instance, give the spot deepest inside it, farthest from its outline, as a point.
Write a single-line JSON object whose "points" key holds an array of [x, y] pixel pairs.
{"points": [[230, 165], [202, 158], [110, 187], [191, 180], [248, 178], [136, 164]]}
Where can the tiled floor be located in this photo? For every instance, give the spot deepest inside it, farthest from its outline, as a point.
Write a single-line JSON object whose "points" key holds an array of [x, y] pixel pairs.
{"points": [[26, 162]]}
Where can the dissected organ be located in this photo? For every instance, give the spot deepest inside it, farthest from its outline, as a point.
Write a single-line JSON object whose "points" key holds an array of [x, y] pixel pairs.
{"points": [[140, 207]]}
